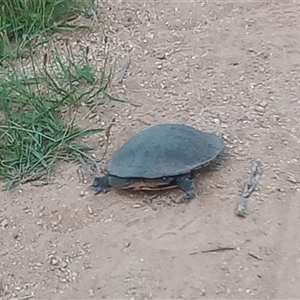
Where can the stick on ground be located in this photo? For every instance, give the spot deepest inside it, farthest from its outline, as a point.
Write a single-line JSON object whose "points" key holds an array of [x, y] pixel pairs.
{"points": [[219, 249], [125, 70], [249, 187]]}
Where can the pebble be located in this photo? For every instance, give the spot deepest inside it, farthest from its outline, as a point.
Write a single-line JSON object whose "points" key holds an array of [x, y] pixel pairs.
{"points": [[90, 210], [220, 186], [259, 109], [263, 104], [291, 178], [4, 223], [136, 205], [54, 261]]}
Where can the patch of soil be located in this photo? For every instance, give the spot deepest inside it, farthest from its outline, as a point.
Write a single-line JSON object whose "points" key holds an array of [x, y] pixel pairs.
{"points": [[228, 68]]}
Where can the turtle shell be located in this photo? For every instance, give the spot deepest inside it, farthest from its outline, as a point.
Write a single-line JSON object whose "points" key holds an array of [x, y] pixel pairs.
{"points": [[165, 150]]}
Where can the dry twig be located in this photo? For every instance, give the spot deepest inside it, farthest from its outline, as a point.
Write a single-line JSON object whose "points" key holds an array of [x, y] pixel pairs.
{"points": [[125, 70], [254, 256], [107, 136], [215, 250], [219, 249], [249, 187]]}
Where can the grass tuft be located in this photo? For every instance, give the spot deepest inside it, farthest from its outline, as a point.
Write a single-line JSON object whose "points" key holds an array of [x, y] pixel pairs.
{"points": [[22, 21], [38, 115]]}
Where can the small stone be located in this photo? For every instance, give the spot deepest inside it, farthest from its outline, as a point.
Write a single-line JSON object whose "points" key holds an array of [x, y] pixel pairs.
{"points": [[263, 103], [90, 210], [65, 264], [54, 261], [4, 223], [136, 205], [91, 293], [220, 186], [260, 109], [74, 275], [82, 193], [161, 56]]}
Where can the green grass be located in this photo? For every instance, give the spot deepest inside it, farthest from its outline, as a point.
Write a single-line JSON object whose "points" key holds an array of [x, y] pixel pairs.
{"points": [[22, 21], [38, 115], [40, 102]]}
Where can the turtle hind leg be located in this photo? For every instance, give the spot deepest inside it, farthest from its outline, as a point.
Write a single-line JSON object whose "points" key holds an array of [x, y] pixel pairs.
{"points": [[188, 186], [101, 185]]}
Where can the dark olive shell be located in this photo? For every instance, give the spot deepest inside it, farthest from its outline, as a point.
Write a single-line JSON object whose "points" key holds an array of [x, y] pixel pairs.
{"points": [[165, 150]]}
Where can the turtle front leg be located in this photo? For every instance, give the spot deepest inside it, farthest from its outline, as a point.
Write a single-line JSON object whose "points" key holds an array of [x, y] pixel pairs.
{"points": [[101, 185], [188, 186]]}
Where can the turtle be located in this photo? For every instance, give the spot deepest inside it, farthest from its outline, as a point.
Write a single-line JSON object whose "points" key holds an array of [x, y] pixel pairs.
{"points": [[160, 157]]}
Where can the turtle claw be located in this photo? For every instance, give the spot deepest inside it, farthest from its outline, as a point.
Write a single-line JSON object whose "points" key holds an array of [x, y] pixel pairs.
{"points": [[188, 186], [189, 196], [101, 185]]}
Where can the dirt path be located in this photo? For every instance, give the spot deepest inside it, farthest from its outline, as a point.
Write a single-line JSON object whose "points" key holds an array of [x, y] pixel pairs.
{"points": [[232, 69]]}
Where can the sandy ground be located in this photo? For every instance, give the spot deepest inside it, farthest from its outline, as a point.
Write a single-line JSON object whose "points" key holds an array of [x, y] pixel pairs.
{"points": [[231, 69]]}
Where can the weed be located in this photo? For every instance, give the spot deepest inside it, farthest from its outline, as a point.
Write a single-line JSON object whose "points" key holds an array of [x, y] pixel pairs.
{"points": [[23, 21], [34, 133]]}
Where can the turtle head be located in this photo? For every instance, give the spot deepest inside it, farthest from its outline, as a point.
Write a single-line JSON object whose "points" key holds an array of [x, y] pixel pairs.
{"points": [[101, 185]]}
